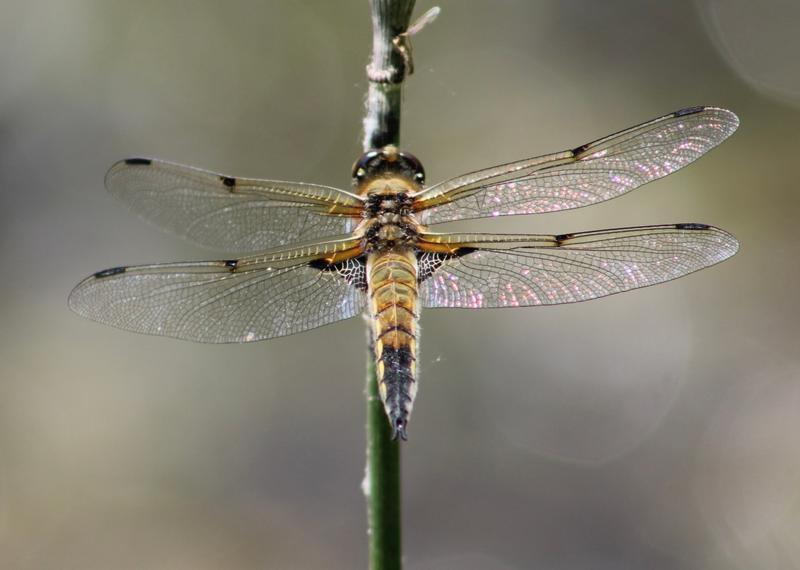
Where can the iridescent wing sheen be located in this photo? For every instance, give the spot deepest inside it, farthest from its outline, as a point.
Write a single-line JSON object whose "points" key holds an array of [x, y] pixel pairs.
{"points": [[269, 295], [485, 270], [591, 173], [231, 214]]}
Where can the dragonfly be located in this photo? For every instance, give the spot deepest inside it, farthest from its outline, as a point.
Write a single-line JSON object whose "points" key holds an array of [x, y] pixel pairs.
{"points": [[312, 255]]}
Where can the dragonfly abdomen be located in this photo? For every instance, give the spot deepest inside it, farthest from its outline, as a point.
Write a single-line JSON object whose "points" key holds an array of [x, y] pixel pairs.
{"points": [[392, 278]]}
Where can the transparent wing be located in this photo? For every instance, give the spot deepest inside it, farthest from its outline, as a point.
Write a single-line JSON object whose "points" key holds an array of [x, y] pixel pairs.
{"points": [[231, 214], [483, 270], [248, 299], [588, 174]]}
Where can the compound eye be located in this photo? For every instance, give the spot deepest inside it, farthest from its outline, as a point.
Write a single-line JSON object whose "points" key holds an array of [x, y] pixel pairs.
{"points": [[363, 164], [413, 164]]}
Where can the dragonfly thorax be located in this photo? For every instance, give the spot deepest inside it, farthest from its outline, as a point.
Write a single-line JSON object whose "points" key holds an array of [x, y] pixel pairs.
{"points": [[389, 219], [389, 231], [389, 203], [388, 179]]}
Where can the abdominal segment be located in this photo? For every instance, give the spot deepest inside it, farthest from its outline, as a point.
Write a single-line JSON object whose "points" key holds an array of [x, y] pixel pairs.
{"points": [[392, 278]]}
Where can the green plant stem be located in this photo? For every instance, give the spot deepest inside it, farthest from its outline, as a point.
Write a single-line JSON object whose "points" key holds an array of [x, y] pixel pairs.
{"points": [[386, 71]]}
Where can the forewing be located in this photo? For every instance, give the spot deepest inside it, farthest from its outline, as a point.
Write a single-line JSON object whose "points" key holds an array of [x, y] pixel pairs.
{"points": [[588, 174], [239, 215], [253, 298], [485, 270]]}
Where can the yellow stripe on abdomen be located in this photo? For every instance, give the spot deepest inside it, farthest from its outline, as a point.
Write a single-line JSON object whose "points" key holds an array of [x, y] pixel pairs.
{"points": [[393, 307]]}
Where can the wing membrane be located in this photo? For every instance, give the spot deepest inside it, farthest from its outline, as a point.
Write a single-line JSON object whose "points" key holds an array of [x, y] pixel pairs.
{"points": [[594, 172], [231, 214], [253, 298], [485, 270]]}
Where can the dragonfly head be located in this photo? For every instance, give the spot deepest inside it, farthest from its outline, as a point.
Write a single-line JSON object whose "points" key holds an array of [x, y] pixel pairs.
{"points": [[388, 162]]}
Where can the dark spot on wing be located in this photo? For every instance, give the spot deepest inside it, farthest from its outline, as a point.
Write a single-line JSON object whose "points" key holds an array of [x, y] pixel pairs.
{"points": [[428, 263], [688, 111], [228, 181], [561, 238], [462, 251], [579, 150], [353, 270], [232, 264], [142, 161], [109, 272], [692, 226], [320, 264]]}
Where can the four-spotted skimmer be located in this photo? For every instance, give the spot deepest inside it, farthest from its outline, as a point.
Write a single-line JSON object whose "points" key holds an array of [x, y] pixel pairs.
{"points": [[384, 259]]}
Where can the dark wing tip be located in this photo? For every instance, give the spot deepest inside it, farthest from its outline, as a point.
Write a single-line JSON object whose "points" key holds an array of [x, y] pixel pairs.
{"points": [[728, 244], [724, 115], [78, 302], [121, 164]]}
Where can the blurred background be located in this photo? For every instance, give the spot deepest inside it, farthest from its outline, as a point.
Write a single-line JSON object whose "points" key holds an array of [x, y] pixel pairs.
{"points": [[655, 430]]}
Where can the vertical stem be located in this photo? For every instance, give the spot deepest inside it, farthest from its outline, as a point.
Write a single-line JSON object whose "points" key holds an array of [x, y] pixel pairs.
{"points": [[385, 72]]}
